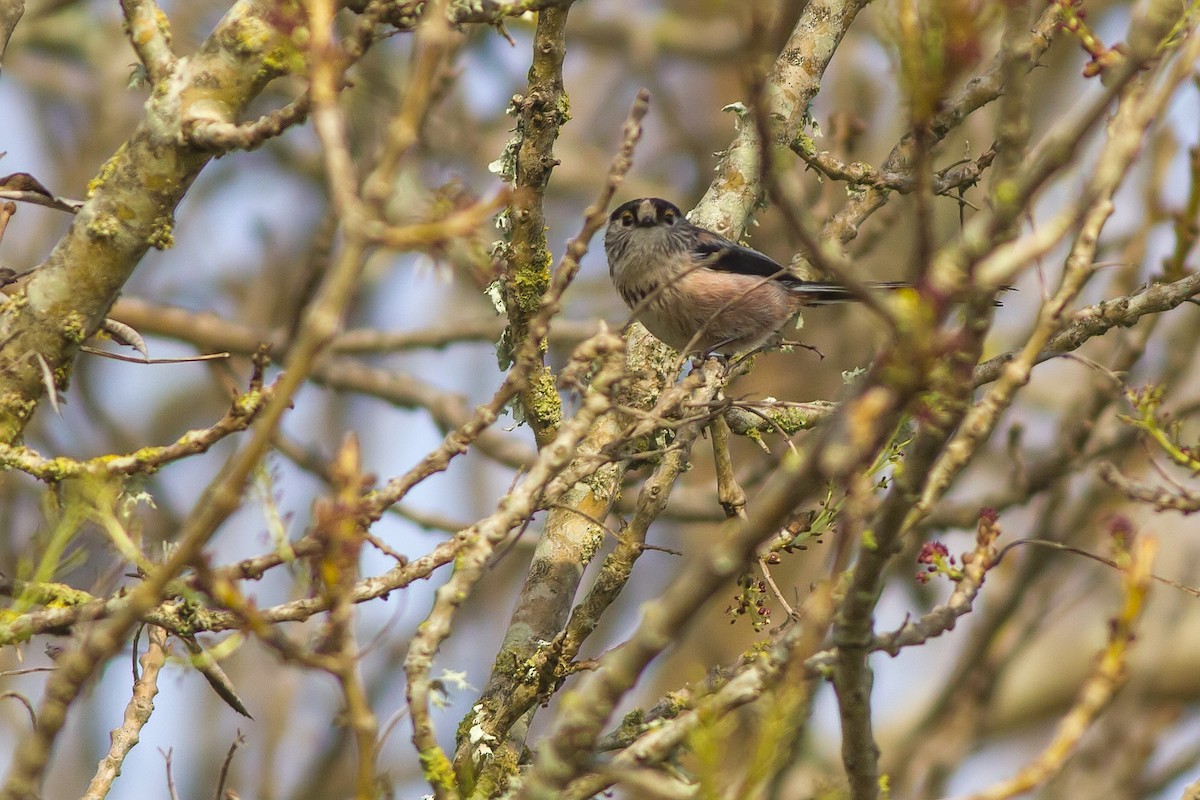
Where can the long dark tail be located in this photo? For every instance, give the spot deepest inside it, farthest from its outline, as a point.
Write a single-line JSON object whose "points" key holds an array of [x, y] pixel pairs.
{"points": [[818, 293]]}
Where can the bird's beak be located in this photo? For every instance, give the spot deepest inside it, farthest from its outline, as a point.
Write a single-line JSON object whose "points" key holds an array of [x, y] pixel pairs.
{"points": [[647, 214]]}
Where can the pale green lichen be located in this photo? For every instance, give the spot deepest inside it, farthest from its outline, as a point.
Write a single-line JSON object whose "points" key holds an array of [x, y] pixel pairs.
{"points": [[142, 457], [103, 226], [563, 107], [62, 377], [281, 54], [506, 165], [17, 405], [790, 420], [51, 595], [466, 723], [437, 768], [527, 284], [249, 403], [187, 611], [164, 25], [74, 327], [59, 470], [600, 484], [591, 546], [162, 235], [107, 170], [542, 401], [285, 59], [496, 778], [139, 78], [632, 725], [13, 303], [251, 36]]}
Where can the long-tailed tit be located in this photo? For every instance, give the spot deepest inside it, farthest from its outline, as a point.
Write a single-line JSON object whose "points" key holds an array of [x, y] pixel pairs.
{"points": [[698, 291]]}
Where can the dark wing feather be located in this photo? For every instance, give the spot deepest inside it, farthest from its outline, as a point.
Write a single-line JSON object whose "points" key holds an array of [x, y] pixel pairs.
{"points": [[719, 253]]}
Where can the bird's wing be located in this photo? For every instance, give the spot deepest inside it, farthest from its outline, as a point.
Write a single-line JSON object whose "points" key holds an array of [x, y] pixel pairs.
{"points": [[717, 252]]}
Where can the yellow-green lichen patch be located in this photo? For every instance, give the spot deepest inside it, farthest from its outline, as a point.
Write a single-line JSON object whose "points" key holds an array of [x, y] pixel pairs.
{"points": [[249, 403], [164, 24], [544, 403], [437, 768], [13, 303], [162, 235], [495, 779], [251, 36], [107, 170], [58, 470], [74, 327], [17, 405], [527, 284], [51, 595], [590, 546], [286, 59], [62, 377], [103, 226]]}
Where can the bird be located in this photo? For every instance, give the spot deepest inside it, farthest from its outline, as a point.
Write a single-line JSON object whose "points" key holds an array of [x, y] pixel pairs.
{"points": [[699, 292]]}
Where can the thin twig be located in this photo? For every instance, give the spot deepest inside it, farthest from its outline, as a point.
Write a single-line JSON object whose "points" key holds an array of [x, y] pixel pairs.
{"points": [[238, 741]]}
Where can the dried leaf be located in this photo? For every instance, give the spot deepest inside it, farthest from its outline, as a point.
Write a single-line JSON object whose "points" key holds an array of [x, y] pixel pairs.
{"points": [[126, 335], [25, 188]]}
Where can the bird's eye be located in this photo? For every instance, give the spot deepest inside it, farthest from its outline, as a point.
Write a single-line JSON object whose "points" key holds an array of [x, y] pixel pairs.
{"points": [[626, 218]]}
